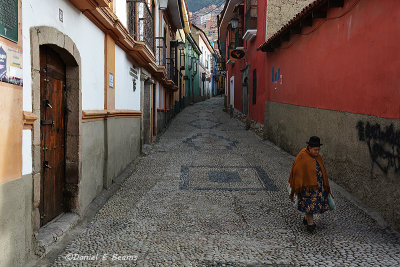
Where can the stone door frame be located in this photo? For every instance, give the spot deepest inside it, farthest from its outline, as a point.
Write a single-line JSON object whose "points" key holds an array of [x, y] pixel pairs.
{"points": [[66, 48]]}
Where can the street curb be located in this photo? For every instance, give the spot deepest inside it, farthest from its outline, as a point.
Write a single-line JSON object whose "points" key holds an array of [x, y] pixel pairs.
{"points": [[57, 248]]}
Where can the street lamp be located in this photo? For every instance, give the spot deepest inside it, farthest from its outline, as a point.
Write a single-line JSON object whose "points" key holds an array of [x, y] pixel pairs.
{"points": [[193, 63], [234, 23], [203, 78], [163, 4], [181, 47]]}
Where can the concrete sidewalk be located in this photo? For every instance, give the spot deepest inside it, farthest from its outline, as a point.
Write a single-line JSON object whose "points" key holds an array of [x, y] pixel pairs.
{"points": [[210, 193]]}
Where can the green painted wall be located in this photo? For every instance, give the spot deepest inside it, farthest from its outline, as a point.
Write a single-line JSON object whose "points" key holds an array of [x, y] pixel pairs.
{"points": [[192, 83]]}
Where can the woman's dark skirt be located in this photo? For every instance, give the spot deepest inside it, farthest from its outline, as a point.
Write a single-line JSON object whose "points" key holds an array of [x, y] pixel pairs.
{"points": [[313, 202]]}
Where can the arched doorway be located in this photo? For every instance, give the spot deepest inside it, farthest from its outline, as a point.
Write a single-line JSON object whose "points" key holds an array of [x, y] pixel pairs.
{"points": [[56, 137]]}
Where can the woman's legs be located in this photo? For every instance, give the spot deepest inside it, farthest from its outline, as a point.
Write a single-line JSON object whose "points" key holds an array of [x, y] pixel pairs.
{"points": [[309, 218]]}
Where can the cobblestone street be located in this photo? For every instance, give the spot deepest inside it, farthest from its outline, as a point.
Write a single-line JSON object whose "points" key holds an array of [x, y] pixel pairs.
{"points": [[210, 193]]}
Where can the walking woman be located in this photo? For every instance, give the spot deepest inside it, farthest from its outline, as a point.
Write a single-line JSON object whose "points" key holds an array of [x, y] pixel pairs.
{"points": [[308, 180]]}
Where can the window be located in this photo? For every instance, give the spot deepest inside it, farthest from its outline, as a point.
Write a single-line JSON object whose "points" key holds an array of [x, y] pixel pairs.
{"points": [[254, 86]]}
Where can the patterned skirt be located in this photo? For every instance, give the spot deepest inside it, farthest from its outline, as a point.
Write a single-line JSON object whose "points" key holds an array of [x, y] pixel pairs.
{"points": [[312, 202]]}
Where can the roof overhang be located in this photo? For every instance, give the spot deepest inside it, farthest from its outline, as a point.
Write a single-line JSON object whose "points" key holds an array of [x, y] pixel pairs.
{"points": [[317, 9], [89, 4], [174, 8], [185, 16], [227, 15]]}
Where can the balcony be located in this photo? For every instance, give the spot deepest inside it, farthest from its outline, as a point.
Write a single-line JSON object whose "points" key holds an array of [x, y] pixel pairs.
{"points": [[161, 52], [250, 20], [172, 70], [238, 39], [141, 23]]}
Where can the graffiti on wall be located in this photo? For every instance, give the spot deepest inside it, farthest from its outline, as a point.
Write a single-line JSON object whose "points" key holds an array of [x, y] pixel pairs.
{"points": [[383, 145], [276, 76]]}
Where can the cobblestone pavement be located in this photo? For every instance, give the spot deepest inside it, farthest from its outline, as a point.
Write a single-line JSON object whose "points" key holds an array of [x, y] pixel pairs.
{"points": [[210, 193]]}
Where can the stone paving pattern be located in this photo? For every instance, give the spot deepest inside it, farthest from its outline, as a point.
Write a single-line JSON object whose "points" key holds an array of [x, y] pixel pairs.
{"points": [[160, 223]]}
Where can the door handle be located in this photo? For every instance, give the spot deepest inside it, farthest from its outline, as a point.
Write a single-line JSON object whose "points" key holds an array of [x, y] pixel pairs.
{"points": [[47, 103], [46, 165]]}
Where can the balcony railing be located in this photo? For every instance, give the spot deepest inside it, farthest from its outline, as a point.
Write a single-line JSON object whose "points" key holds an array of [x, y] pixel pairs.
{"points": [[141, 22], [172, 70], [251, 15], [222, 48], [132, 19], [238, 38], [161, 53]]}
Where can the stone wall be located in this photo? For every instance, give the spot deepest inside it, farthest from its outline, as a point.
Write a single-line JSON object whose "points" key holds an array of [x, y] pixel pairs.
{"points": [[93, 159], [107, 148], [361, 152], [147, 112], [281, 12], [16, 221], [163, 118], [123, 141]]}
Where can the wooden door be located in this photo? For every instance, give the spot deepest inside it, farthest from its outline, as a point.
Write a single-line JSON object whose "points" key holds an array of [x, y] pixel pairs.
{"points": [[52, 131]]}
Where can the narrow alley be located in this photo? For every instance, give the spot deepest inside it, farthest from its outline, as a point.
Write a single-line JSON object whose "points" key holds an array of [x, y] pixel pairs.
{"points": [[210, 193]]}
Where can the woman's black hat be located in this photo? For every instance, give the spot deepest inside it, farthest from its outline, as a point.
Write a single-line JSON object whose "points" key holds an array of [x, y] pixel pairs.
{"points": [[314, 142]]}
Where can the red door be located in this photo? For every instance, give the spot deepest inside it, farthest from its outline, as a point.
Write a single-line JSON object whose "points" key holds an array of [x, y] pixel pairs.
{"points": [[52, 131]]}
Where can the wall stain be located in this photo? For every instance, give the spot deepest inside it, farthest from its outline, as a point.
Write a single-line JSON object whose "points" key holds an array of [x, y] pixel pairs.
{"points": [[383, 145]]}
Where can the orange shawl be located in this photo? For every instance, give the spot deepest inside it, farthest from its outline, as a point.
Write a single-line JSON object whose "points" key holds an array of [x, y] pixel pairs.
{"points": [[304, 173]]}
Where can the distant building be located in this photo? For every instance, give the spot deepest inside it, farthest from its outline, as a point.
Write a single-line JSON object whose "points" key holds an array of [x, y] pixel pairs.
{"points": [[206, 20]]}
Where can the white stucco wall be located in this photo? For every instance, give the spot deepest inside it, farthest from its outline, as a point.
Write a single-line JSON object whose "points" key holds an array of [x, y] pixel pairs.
{"points": [[125, 97], [158, 95], [121, 11], [26, 152], [89, 42]]}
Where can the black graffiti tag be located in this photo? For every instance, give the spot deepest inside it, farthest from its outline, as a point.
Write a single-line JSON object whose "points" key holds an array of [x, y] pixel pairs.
{"points": [[383, 145]]}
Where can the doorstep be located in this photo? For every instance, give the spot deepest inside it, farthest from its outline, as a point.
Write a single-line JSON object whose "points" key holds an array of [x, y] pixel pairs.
{"points": [[55, 231]]}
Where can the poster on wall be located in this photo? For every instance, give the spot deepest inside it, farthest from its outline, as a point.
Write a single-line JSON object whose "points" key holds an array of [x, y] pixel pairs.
{"points": [[9, 19], [11, 65]]}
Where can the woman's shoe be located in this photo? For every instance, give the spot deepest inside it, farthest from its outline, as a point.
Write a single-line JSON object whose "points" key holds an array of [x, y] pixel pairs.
{"points": [[311, 227]]}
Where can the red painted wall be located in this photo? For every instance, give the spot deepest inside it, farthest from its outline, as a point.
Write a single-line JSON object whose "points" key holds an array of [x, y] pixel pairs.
{"points": [[258, 60], [349, 64], [234, 70]]}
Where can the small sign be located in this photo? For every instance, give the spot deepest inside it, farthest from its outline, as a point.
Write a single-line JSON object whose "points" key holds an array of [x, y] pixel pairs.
{"points": [[111, 80], [9, 19], [237, 54], [11, 65], [133, 73], [60, 15]]}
